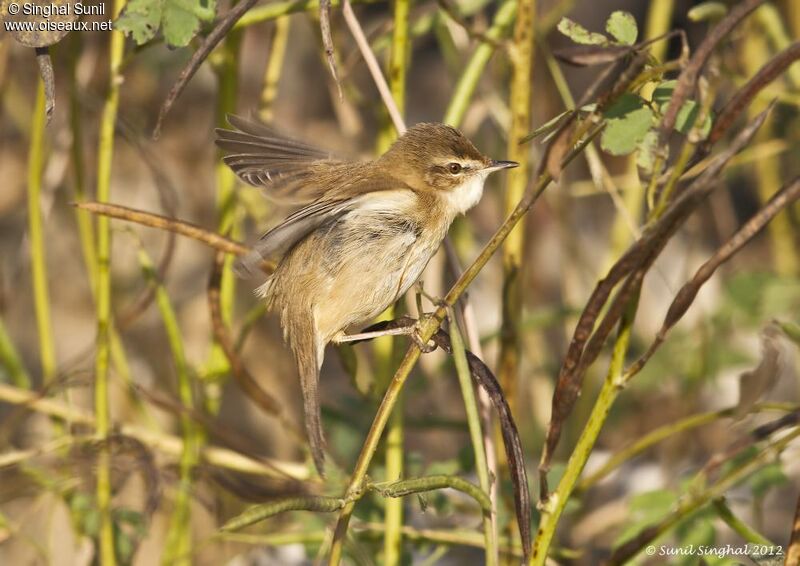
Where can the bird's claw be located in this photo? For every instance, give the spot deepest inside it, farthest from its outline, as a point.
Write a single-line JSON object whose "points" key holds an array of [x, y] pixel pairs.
{"points": [[416, 336]]}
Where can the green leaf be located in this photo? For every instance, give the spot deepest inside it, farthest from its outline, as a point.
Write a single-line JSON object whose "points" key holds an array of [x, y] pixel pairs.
{"points": [[628, 121], [687, 116], [645, 509], [179, 20], [766, 478], [580, 34], [663, 92], [140, 20], [179, 24], [622, 27]]}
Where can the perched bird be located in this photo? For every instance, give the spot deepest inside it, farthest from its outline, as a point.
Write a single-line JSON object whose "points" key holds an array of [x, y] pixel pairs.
{"points": [[364, 234]]}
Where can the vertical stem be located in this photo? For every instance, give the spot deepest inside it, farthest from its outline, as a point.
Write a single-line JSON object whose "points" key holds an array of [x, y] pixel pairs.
{"points": [[659, 21], [83, 217], [521, 52], [227, 78], [272, 73], [475, 434], [521, 56], [767, 170], [36, 231], [608, 394], [393, 539], [105, 154]]}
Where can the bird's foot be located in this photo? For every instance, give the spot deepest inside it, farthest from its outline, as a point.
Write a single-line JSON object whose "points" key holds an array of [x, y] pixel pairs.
{"points": [[416, 335]]}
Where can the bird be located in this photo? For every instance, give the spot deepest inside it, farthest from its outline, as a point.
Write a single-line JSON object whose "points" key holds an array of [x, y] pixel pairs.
{"points": [[361, 237]]}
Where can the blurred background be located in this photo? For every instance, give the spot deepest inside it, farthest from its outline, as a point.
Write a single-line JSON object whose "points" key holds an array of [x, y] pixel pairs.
{"points": [[276, 70]]}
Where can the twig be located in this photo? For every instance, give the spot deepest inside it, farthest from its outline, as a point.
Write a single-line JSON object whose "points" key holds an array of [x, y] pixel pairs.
{"points": [[206, 47], [744, 96], [327, 41], [181, 227], [169, 444], [373, 66]]}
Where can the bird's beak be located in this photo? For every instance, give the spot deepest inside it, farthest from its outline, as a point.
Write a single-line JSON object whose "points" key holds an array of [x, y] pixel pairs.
{"points": [[495, 165]]}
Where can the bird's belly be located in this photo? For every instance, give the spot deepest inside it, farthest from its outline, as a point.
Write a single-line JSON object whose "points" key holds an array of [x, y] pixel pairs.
{"points": [[369, 267]]}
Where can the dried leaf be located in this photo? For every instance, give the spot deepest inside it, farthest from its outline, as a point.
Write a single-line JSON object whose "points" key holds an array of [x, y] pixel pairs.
{"points": [[753, 384], [590, 55], [580, 34]]}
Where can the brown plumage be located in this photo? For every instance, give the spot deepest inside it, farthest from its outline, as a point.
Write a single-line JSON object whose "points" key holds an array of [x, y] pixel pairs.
{"points": [[365, 234]]}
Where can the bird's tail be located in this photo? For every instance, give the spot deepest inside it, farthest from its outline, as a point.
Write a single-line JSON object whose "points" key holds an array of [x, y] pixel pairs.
{"points": [[308, 352]]}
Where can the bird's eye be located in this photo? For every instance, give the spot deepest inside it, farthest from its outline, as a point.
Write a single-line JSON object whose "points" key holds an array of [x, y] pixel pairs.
{"points": [[454, 168]]}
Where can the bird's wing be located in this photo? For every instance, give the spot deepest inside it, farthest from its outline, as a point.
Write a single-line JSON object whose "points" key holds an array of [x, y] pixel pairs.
{"points": [[284, 168], [283, 237]]}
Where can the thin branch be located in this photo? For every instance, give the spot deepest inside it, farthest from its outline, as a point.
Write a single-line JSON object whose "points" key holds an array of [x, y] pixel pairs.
{"points": [[206, 47], [373, 66], [169, 444], [181, 227]]}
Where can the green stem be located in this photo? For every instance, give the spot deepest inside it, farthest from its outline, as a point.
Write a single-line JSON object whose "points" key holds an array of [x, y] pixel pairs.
{"points": [[11, 360], [179, 535], [608, 394], [694, 501], [395, 436], [658, 435], [475, 434], [738, 526], [473, 71], [450, 537], [427, 328], [659, 22], [226, 203], [521, 55], [36, 158], [105, 155], [275, 10], [83, 217], [272, 72]]}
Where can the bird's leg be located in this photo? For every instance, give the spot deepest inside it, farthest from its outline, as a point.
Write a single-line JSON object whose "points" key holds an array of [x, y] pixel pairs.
{"points": [[420, 292], [419, 289]]}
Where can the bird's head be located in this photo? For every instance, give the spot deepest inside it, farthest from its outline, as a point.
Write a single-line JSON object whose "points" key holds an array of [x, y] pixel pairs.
{"points": [[433, 157]]}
